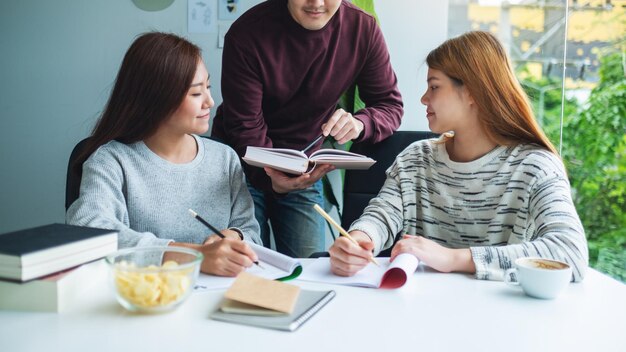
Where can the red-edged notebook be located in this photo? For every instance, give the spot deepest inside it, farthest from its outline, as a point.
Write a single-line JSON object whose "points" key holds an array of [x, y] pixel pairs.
{"points": [[387, 275]]}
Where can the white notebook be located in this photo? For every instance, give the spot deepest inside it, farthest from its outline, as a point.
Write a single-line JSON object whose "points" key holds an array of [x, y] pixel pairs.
{"points": [[274, 265], [387, 275]]}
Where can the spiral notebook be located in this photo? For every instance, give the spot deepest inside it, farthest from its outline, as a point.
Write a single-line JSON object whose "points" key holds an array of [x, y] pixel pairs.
{"points": [[309, 303]]}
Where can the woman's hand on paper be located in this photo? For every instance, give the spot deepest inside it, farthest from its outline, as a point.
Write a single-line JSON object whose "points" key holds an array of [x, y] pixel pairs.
{"points": [[435, 255], [343, 126], [228, 233], [227, 257], [283, 183], [346, 258], [223, 256]]}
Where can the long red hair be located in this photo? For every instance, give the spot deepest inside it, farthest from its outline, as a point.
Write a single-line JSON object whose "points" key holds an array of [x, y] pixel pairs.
{"points": [[478, 61]]}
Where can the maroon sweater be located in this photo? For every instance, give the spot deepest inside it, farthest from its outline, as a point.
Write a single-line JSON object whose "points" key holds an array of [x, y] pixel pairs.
{"points": [[281, 82]]}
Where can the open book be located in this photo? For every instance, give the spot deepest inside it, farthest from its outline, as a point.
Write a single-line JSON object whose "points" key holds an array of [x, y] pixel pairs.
{"points": [[273, 265], [388, 275], [296, 162]]}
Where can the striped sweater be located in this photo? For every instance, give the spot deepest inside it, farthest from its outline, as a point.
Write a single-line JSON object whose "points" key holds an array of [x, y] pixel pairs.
{"points": [[512, 202]]}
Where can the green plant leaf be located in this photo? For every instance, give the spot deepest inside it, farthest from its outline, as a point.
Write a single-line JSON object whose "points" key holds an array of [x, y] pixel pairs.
{"points": [[367, 6]]}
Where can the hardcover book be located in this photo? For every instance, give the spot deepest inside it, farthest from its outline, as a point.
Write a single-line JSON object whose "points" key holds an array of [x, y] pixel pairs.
{"points": [[40, 251], [296, 162], [58, 292]]}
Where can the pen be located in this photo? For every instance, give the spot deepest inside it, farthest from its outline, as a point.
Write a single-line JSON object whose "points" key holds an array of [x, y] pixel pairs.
{"points": [[313, 143], [338, 227], [212, 228]]}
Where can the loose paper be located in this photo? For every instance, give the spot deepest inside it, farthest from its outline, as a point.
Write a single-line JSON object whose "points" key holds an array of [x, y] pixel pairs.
{"points": [[264, 293], [199, 16]]}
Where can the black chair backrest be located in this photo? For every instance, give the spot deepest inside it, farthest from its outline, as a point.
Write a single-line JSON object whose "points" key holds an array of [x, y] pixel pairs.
{"points": [[74, 174], [362, 185]]}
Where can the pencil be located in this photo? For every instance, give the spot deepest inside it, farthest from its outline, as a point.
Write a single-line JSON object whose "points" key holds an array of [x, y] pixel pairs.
{"points": [[313, 143], [213, 228], [339, 228], [205, 223]]}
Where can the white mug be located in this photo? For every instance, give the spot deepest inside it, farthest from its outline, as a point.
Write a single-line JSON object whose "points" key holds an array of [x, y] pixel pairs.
{"points": [[540, 278]]}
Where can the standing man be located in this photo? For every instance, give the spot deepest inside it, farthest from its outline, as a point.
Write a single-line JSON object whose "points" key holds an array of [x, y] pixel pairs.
{"points": [[285, 65]]}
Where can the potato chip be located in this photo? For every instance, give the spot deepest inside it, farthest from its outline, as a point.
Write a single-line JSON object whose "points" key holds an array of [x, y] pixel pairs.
{"points": [[152, 288]]}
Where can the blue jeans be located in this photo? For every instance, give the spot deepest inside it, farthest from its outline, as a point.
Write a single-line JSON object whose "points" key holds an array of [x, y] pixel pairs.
{"points": [[298, 229]]}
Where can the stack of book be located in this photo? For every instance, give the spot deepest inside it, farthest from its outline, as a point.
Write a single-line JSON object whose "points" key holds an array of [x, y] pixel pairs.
{"points": [[42, 268], [256, 301]]}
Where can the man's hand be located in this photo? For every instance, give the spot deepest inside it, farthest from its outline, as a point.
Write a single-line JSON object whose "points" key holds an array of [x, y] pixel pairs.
{"points": [[343, 127], [346, 258], [283, 183]]}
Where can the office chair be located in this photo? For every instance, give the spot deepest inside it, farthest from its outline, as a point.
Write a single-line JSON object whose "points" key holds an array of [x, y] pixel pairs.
{"points": [[74, 174], [360, 186]]}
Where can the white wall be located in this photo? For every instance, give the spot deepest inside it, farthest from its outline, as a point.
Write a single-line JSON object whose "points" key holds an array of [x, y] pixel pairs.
{"points": [[412, 28], [59, 59]]}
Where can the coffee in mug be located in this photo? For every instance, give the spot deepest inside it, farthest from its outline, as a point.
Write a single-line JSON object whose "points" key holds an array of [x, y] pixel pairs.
{"points": [[538, 277], [547, 264]]}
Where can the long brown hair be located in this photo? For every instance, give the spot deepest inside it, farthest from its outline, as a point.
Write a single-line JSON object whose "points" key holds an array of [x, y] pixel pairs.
{"points": [[478, 61], [152, 82]]}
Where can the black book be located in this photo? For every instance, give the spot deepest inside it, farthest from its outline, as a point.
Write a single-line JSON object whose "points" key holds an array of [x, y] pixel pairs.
{"points": [[40, 251]]}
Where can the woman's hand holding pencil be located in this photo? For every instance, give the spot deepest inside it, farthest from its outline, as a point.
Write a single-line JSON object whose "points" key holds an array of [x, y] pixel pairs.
{"points": [[223, 255], [351, 252], [346, 258]]}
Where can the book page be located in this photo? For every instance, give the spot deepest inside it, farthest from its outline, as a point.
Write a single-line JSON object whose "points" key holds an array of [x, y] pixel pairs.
{"points": [[280, 151], [274, 265], [279, 260], [388, 275], [296, 162], [212, 282], [319, 271], [335, 153], [290, 161], [342, 159], [399, 271]]}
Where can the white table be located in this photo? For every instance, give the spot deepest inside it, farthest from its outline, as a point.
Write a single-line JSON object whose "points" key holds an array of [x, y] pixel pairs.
{"points": [[433, 312]]}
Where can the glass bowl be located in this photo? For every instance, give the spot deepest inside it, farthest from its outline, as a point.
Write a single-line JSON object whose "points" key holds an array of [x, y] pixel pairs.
{"points": [[153, 279]]}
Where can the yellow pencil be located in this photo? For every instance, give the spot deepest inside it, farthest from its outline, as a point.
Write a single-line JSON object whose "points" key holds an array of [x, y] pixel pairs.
{"points": [[339, 228]]}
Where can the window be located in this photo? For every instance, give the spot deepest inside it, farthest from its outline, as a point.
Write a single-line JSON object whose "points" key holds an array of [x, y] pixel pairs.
{"points": [[571, 59]]}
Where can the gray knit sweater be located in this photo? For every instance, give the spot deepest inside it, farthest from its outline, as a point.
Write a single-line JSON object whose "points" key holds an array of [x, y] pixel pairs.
{"points": [[146, 198], [513, 202]]}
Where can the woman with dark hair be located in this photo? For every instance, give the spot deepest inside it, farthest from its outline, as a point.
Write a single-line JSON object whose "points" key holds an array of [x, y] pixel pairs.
{"points": [[490, 190], [145, 164]]}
